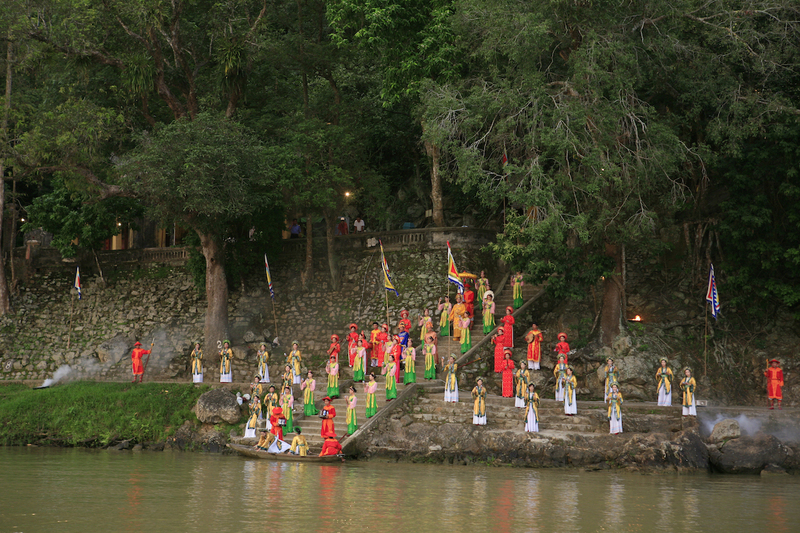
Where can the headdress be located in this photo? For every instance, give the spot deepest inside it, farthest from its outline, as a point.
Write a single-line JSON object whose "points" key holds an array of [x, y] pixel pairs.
{"points": [[562, 334]]}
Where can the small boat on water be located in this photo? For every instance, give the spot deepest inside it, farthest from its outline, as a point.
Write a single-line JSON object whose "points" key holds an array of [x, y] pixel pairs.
{"points": [[249, 451]]}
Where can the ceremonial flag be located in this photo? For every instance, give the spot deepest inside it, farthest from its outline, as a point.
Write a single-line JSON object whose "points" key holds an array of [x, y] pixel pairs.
{"points": [[452, 271], [269, 278], [78, 282], [711, 293], [387, 279], [505, 161]]}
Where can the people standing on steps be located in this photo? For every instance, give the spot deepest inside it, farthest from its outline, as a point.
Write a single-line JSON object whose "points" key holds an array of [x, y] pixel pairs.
{"points": [[196, 358], [287, 379], [308, 386], [371, 402], [508, 327], [352, 401], [410, 364], [498, 339], [444, 309], [563, 347], [570, 400], [456, 313], [482, 285], [390, 371], [479, 404], [332, 368], [688, 387], [262, 357], [430, 358], [359, 361], [531, 409], [664, 379], [403, 336], [334, 348], [466, 334], [774, 374], [425, 325], [560, 373], [294, 360], [327, 414], [225, 362], [522, 379], [488, 312], [615, 410], [353, 341], [508, 366], [534, 339], [517, 284], [450, 381]]}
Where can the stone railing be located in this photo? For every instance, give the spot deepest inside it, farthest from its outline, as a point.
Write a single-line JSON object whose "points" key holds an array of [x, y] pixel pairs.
{"points": [[431, 238], [50, 258]]}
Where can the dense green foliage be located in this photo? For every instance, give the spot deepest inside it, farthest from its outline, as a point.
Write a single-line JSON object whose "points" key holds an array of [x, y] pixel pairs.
{"points": [[94, 414]]}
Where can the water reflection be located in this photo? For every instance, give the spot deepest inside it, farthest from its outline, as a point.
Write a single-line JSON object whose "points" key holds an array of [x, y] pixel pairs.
{"points": [[69, 491]]}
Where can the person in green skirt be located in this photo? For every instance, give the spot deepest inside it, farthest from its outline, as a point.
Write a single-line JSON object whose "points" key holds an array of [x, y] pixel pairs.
{"points": [[409, 361], [360, 359], [309, 385], [332, 368], [488, 312], [444, 318], [352, 400], [516, 284], [371, 388], [287, 403], [390, 370], [429, 349], [466, 337]]}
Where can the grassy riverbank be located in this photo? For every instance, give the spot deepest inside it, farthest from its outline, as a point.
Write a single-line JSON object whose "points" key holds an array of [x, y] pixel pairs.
{"points": [[94, 414]]}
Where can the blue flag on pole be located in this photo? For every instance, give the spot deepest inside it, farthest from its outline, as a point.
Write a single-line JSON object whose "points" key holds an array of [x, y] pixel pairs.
{"points": [[78, 282], [269, 278], [711, 293]]}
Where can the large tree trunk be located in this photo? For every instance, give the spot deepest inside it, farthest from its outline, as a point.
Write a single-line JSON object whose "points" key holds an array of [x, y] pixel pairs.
{"points": [[216, 327], [611, 314], [333, 261], [436, 184], [308, 271]]}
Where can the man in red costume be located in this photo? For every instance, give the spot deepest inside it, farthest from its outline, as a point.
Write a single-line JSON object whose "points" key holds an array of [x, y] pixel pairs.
{"points": [[374, 344], [327, 415], [534, 339], [335, 347], [383, 338], [774, 375], [275, 420], [563, 346], [352, 343], [498, 339], [331, 446], [469, 301], [405, 321], [136, 360]]}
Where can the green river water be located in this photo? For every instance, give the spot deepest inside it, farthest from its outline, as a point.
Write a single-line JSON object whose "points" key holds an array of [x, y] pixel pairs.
{"points": [[77, 490]]}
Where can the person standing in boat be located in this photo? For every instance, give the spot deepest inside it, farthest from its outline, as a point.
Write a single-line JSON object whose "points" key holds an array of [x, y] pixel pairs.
{"points": [[450, 381], [327, 415], [664, 379], [196, 358], [308, 386], [615, 410], [371, 403], [688, 386], [531, 409], [352, 401], [262, 357], [299, 444], [136, 361], [570, 400], [226, 362], [479, 404]]}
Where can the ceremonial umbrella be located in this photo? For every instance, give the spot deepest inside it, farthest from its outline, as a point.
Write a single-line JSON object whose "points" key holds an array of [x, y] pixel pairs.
{"points": [[464, 275]]}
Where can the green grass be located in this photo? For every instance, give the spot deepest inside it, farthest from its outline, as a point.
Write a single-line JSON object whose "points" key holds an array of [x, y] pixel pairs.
{"points": [[94, 414]]}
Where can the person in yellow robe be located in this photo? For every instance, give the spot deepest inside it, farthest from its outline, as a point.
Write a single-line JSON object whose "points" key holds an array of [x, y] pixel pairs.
{"points": [[265, 441], [409, 362], [293, 360], [262, 356], [271, 401], [390, 370], [570, 401], [688, 386], [615, 410], [196, 358], [457, 314], [664, 380], [225, 362], [479, 404], [522, 378], [531, 409], [309, 385], [370, 389], [299, 444], [450, 381]]}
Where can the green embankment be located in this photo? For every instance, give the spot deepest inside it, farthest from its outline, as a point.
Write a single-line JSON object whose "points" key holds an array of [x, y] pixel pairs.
{"points": [[94, 414]]}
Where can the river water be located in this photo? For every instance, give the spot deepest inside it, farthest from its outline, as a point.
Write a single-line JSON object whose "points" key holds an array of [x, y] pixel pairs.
{"points": [[77, 490]]}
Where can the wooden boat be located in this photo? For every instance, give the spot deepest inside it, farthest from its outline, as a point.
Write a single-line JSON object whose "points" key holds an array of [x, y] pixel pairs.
{"points": [[249, 451]]}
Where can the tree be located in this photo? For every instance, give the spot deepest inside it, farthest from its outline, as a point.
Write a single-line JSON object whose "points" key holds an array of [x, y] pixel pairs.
{"points": [[205, 174]]}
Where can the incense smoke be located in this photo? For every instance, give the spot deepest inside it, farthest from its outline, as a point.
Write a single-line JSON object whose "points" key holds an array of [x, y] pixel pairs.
{"points": [[750, 425], [62, 372]]}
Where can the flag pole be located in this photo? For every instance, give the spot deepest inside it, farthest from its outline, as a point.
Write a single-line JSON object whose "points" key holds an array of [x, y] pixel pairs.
{"points": [[705, 345], [71, 309], [275, 318]]}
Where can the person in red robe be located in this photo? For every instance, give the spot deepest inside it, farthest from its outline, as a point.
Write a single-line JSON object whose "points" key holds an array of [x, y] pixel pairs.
{"points": [[383, 338], [352, 343], [534, 339], [508, 367], [374, 344], [275, 420], [469, 300], [508, 326], [327, 415], [136, 361], [774, 375], [335, 347], [563, 347], [404, 320], [498, 339], [331, 446]]}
